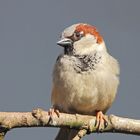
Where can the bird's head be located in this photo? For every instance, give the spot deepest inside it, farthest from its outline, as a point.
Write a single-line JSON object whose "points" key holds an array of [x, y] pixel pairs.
{"points": [[81, 39]]}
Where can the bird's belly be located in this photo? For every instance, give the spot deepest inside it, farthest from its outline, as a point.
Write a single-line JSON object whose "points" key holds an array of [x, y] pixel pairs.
{"points": [[83, 93]]}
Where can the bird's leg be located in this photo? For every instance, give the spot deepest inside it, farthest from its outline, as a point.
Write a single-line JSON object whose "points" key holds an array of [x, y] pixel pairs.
{"points": [[101, 121], [53, 111]]}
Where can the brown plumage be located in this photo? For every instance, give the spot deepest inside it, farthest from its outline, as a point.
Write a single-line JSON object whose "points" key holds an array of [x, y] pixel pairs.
{"points": [[85, 77]]}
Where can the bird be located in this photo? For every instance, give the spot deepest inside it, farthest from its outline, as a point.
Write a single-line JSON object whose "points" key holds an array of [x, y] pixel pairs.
{"points": [[85, 76]]}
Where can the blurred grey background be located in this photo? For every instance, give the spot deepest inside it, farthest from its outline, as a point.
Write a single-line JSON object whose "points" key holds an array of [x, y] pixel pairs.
{"points": [[29, 30]]}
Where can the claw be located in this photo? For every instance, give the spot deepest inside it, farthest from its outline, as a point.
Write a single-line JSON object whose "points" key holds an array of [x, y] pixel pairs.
{"points": [[101, 121], [53, 111]]}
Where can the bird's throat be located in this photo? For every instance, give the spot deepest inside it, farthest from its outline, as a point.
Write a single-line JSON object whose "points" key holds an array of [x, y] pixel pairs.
{"points": [[68, 50]]}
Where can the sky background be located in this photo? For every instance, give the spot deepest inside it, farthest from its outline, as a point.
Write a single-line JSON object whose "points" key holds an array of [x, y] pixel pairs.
{"points": [[29, 30]]}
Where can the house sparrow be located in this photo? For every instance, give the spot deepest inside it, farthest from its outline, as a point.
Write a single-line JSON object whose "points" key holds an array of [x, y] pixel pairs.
{"points": [[85, 76]]}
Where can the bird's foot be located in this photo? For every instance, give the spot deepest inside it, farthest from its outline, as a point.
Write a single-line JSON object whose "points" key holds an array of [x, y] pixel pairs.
{"points": [[53, 111], [101, 121]]}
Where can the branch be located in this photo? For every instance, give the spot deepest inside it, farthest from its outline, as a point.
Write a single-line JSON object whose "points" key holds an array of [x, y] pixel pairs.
{"points": [[85, 124]]}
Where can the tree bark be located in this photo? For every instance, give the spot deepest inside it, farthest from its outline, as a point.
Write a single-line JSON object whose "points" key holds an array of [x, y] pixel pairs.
{"points": [[84, 123]]}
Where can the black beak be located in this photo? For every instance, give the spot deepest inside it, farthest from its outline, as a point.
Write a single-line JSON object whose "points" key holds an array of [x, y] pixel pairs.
{"points": [[65, 42]]}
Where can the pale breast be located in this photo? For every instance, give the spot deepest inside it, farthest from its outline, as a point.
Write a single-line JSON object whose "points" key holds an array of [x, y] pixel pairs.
{"points": [[84, 92]]}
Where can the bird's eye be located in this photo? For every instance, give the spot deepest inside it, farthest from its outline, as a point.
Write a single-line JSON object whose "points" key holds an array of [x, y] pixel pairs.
{"points": [[78, 35]]}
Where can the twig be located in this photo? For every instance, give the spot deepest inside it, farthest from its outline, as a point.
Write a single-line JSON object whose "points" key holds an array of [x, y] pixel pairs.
{"points": [[80, 134], [40, 118]]}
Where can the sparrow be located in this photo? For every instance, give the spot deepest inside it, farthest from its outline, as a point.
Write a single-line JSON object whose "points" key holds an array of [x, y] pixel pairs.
{"points": [[85, 76]]}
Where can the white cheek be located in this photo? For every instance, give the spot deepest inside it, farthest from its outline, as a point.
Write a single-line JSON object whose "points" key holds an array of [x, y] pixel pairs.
{"points": [[101, 47], [85, 42], [88, 44]]}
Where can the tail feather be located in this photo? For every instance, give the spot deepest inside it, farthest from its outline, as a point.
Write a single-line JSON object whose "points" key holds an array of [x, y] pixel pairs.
{"points": [[66, 134]]}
